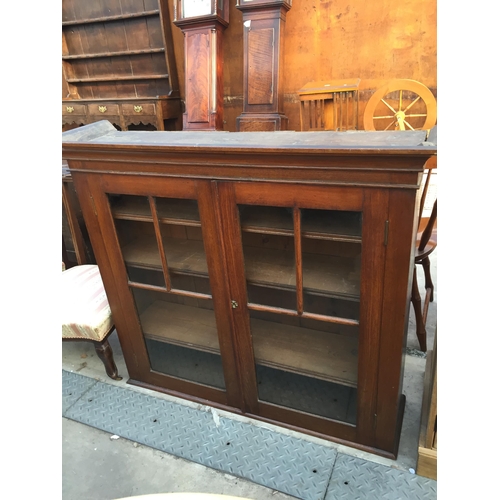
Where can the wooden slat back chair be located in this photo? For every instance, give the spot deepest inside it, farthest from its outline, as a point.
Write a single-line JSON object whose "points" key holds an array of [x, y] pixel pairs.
{"points": [[425, 245], [86, 315]]}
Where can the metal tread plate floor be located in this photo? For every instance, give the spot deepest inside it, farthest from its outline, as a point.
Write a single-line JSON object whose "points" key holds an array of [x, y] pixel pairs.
{"points": [[297, 467]]}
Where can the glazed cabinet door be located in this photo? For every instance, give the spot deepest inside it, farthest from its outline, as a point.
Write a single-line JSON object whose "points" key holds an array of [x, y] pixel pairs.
{"points": [[161, 241], [302, 264]]}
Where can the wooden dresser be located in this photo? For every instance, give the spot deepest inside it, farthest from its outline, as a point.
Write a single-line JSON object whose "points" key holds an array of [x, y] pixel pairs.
{"points": [[265, 273], [118, 64]]}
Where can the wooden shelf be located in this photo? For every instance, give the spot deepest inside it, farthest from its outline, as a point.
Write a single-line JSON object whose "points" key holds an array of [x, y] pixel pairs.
{"points": [[324, 275], [112, 18], [183, 256], [177, 212], [263, 220], [308, 352], [116, 78], [344, 226], [123, 53]]}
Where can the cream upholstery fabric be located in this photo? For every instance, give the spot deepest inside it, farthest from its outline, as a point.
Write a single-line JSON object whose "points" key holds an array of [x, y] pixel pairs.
{"points": [[85, 308]]}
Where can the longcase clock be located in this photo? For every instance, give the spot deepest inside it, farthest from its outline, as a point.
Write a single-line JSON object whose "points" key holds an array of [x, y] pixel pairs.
{"points": [[202, 23], [263, 42]]}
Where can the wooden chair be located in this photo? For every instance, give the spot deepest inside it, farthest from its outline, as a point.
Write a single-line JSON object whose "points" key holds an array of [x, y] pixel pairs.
{"points": [[425, 245], [86, 315]]}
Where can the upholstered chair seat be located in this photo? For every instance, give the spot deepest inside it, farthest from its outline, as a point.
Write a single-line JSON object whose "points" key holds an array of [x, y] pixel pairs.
{"points": [[86, 314]]}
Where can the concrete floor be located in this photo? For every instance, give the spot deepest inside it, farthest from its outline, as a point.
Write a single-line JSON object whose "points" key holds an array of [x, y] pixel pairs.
{"points": [[96, 466]]}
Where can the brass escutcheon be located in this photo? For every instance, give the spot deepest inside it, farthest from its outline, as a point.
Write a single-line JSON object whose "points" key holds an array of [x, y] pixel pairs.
{"points": [[70, 109], [137, 109], [103, 109]]}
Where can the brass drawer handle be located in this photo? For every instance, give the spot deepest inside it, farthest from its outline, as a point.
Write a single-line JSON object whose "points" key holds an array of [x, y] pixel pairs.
{"points": [[103, 109], [70, 109], [137, 109]]}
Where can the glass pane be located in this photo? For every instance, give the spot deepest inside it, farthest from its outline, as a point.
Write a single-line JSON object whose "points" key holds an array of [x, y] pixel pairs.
{"points": [[181, 336], [136, 235], [182, 251], [306, 364], [331, 222], [269, 254], [331, 259], [185, 257], [307, 356], [161, 242]]}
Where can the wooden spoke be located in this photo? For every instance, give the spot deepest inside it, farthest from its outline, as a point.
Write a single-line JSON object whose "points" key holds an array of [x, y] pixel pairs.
{"points": [[389, 106], [409, 126], [392, 123], [400, 100], [411, 104], [380, 117]]}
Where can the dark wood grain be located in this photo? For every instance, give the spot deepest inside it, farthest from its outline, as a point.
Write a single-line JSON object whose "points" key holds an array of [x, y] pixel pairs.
{"points": [[403, 211], [369, 178], [373, 262], [263, 51], [260, 62]]}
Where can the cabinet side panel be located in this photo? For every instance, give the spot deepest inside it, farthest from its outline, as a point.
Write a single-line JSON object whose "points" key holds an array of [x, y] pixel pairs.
{"points": [[375, 212], [397, 287]]}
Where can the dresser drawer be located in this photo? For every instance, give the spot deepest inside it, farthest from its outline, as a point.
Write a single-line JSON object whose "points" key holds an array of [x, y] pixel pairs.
{"points": [[138, 109], [74, 109], [104, 109]]}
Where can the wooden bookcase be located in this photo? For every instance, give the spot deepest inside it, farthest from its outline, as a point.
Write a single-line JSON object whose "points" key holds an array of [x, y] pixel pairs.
{"points": [[118, 64], [264, 273]]}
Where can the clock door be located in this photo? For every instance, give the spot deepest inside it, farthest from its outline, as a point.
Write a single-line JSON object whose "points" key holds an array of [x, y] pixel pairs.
{"points": [[202, 23]]}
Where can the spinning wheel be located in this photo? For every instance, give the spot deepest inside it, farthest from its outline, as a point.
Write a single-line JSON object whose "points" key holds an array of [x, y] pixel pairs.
{"points": [[401, 105]]}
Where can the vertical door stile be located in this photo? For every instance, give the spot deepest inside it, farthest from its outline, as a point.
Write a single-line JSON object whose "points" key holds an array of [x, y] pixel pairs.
{"points": [[216, 257], [240, 316], [156, 223], [298, 259]]}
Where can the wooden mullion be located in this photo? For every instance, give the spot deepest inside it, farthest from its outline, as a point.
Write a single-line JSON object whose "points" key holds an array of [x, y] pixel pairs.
{"points": [[187, 293], [174, 291], [146, 286], [159, 240], [289, 312], [298, 260]]}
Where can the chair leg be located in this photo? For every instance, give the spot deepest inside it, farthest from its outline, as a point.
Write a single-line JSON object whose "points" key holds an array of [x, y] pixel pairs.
{"points": [[417, 307], [105, 353], [426, 264]]}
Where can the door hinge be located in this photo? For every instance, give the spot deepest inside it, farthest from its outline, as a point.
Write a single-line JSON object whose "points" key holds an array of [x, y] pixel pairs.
{"points": [[386, 232]]}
